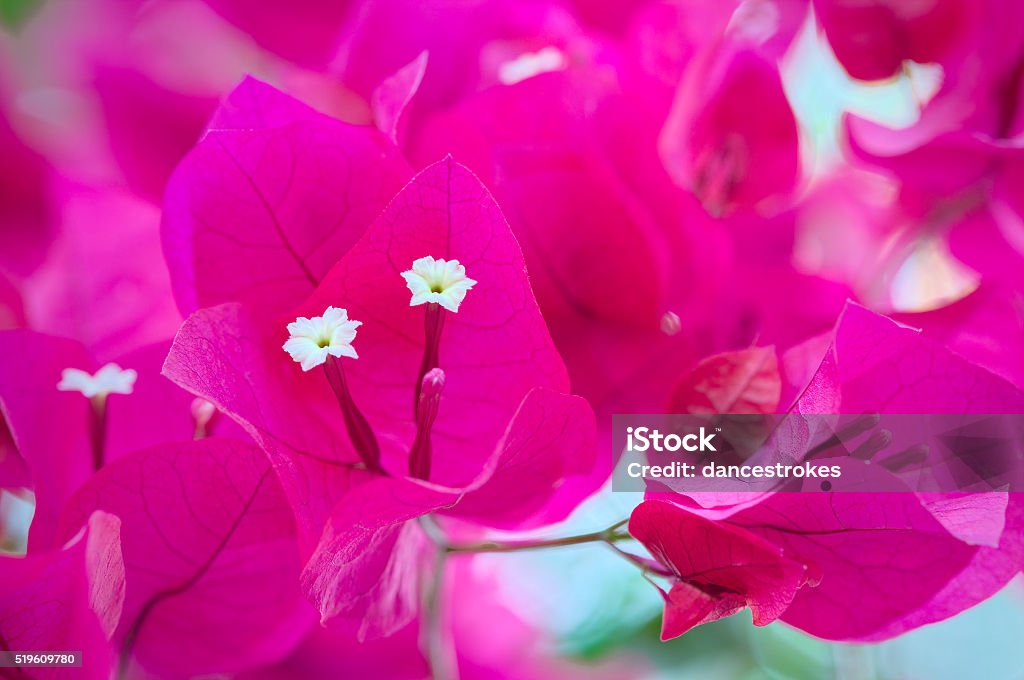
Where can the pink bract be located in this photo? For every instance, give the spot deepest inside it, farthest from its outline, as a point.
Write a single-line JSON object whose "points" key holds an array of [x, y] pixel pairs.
{"points": [[261, 209], [848, 566], [503, 379], [190, 514]]}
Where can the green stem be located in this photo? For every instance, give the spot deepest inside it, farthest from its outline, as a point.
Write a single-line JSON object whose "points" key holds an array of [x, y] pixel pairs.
{"points": [[608, 535], [437, 646], [435, 643]]}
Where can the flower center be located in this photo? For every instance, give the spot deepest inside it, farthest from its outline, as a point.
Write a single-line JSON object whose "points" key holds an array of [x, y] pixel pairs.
{"points": [[719, 171], [439, 281], [312, 340]]}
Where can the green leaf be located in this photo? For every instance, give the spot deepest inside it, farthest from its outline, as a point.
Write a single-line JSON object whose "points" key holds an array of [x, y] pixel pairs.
{"points": [[13, 13]]}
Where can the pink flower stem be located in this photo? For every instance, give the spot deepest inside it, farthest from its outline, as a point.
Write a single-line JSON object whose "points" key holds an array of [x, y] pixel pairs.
{"points": [[204, 428], [98, 429], [359, 430], [433, 324], [420, 454]]}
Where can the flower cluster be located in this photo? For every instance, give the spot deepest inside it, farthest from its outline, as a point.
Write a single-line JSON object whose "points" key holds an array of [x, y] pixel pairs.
{"points": [[264, 418]]}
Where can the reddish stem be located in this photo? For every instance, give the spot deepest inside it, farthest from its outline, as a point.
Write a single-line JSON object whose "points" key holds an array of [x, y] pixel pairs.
{"points": [[98, 429], [359, 430], [433, 324]]}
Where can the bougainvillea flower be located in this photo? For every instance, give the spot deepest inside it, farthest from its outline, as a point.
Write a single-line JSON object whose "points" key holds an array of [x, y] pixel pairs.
{"points": [[267, 202], [59, 459], [204, 526], [960, 187], [96, 426], [110, 379], [492, 422], [716, 570], [366, 359], [606, 290], [67, 599], [569, 147], [868, 566], [440, 281], [958, 165], [746, 381], [873, 39], [709, 144], [460, 39], [311, 341], [879, 557], [712, 145], [665, 37], [879, 564]]}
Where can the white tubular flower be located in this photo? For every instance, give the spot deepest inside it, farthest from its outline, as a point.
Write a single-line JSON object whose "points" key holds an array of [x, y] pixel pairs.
{"points": [[531, 64], [111, 379], [441, 281], [671, 324], [203, 411], [310, 341]]}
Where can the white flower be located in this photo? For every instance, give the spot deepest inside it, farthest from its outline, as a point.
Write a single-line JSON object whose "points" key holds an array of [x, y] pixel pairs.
{"points": [[202, 410], [531, 64], [441, 281], [311, 340], [671, 324], [111, 379]]}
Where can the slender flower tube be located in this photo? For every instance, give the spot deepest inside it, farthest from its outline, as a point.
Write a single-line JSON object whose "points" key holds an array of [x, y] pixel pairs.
{"points": [[359, 430], [426, 413], [438, 284], [322, 340], [433, 325], [110, 379], [204, 413]]}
